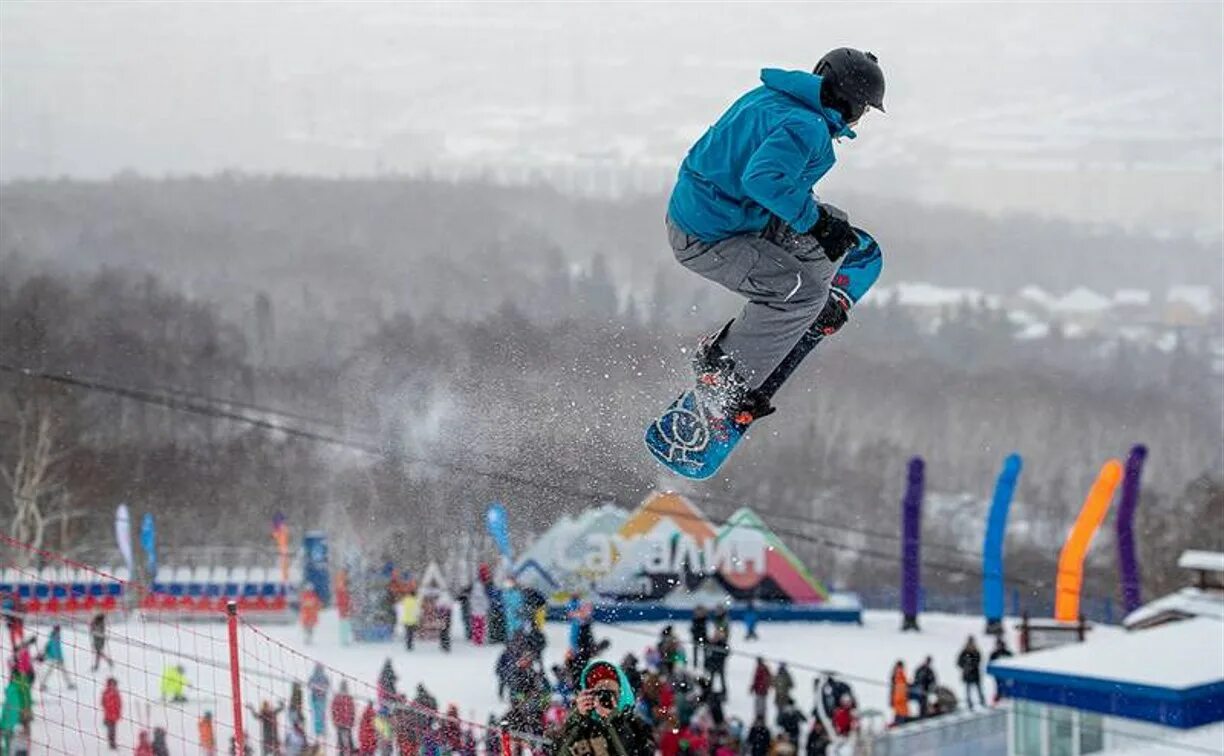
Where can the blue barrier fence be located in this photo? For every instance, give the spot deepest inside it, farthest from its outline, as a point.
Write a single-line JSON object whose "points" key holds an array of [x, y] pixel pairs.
{"points": [[1095, 608]]}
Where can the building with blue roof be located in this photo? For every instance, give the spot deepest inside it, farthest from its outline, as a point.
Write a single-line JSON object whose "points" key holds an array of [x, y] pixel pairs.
{"points": [[1118, 692]]}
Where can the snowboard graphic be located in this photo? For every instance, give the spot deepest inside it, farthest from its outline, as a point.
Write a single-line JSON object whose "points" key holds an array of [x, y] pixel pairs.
{"points": [[692, 441]]}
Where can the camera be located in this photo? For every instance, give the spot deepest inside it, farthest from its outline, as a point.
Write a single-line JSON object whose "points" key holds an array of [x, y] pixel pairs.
{"points": [[605, 698]]}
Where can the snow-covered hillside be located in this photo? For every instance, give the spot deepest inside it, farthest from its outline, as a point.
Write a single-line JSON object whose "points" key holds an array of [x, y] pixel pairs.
{"points": [[70, 721]]}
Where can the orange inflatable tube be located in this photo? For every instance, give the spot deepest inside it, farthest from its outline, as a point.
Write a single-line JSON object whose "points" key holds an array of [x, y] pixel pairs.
{"points": [[1071, 560]]}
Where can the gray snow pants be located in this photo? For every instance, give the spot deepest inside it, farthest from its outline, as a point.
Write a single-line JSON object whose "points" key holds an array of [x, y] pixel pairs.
{"points": [[784, 275]]}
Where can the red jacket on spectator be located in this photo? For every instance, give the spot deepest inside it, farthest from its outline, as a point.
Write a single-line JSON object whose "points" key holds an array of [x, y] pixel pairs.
{"points": [[761, 680], [667, 698], [344, 601], [452, 734], [144, 747], [669, 741], [112, 704], [367, 736], [343, 711], [843, 720], [697, 742], [310, 608]]}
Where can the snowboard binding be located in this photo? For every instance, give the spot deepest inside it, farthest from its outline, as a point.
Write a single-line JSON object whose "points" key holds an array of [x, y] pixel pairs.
{"points": [[724, 392]]}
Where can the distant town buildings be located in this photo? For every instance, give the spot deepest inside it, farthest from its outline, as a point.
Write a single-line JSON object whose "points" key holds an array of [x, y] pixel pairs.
{"points": [[1152, 318]]}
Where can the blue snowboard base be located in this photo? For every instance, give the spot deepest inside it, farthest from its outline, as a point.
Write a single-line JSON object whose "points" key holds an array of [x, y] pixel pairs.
{"points": [[690, 441]]}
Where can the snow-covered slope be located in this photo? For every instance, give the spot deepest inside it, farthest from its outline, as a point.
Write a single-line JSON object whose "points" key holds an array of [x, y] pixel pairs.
{"points": [[69, 721]]}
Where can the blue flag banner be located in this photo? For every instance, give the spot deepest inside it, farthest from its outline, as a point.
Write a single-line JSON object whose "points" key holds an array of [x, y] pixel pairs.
{"points": [[499, 528], [148, 542]]}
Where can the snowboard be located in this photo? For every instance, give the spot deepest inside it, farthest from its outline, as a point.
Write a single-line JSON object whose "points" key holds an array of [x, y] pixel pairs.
{"points": [[692, 441]]}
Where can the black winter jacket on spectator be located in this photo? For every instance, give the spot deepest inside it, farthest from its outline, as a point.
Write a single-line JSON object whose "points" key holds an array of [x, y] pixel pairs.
{"points": [[970, 663], [817, 740], [924, 678], [621, 735], [758, 740], [697, 629], [791, 720]]}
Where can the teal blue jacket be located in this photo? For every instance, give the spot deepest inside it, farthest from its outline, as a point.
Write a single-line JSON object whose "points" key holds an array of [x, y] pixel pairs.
{"points": [[760, 159], [54, 650]]}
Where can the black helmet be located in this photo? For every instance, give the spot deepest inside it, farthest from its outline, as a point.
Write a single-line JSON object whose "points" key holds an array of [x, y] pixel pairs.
{"points": [[853, 81]]}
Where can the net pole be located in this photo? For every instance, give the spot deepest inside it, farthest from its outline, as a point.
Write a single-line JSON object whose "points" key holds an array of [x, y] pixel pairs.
{"points": [[231, 611]]}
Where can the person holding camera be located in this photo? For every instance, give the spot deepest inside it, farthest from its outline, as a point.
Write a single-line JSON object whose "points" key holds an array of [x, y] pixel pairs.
{"points": [[602, 722]]}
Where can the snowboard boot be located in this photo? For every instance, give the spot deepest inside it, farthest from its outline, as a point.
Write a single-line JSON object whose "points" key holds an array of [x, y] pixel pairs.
{"points": [[722, 389]]}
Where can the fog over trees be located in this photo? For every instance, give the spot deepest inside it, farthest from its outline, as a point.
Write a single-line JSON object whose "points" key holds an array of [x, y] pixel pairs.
{"points": [[486, 342]]}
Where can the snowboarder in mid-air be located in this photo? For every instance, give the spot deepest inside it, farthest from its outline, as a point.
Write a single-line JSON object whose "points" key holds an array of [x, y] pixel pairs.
{"points": [[743, 214]]}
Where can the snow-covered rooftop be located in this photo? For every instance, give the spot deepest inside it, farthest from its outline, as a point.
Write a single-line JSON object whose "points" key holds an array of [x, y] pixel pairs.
{"points": [[1082, 300], [1132, 297], [1034, 331], [1194, 559], [929, 295], [1197, 297], [1175, 656], [1037, 295], [1022, 317], [1187, 602]]}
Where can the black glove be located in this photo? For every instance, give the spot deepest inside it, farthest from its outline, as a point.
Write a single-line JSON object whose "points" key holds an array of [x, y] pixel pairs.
{"points": [[834, 232]]}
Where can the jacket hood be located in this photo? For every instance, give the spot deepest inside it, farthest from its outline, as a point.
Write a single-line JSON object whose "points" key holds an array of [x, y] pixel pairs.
{"points": [[626, 699], [805, 87]]}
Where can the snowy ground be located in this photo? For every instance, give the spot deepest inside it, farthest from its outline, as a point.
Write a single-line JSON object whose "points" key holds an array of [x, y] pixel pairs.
{"points": [[70, 721]]}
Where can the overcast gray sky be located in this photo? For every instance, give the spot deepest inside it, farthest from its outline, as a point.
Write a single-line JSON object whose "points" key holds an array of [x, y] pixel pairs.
{"points": [[90, 89]]}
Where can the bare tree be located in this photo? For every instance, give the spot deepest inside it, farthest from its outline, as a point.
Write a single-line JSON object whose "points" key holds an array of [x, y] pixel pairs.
{"points": [[35, 476]]}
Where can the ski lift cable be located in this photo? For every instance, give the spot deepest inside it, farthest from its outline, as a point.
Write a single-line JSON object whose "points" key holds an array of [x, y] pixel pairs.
{"points": [[365, 444], [198, 407]]}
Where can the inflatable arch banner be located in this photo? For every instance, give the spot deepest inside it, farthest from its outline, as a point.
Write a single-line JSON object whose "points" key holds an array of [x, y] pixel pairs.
{"points": [[911, 543], [1071, 560], [992, 548], [1128, 560]]}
